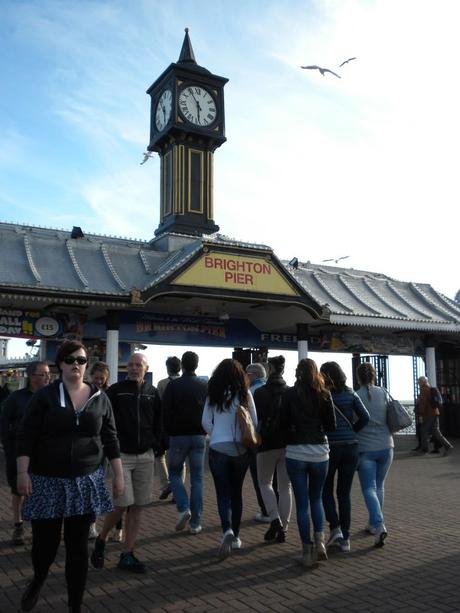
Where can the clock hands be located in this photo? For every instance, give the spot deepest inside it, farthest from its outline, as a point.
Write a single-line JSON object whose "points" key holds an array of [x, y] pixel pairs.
{"points": [[198, 107]]}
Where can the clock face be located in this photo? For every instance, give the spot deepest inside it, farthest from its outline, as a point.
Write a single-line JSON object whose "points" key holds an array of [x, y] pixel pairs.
{"points": [[163, 110], [197, 105]]}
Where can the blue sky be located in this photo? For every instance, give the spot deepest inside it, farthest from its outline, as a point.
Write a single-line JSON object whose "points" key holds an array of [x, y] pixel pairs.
{"points": [[314, 166]]}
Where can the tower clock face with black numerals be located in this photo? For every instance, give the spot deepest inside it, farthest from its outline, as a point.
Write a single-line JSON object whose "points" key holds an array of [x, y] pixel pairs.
{"points": [[197, 105], [163, 110]]}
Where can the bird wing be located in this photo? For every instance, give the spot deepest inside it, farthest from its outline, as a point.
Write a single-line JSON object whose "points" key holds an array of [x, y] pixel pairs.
{"points": [[310, 67], [329, 260], [346, 61], [332, 72]]}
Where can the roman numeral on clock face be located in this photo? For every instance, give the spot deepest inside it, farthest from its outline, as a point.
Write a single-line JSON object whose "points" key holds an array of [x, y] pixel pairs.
{"points": [[197, 105]]}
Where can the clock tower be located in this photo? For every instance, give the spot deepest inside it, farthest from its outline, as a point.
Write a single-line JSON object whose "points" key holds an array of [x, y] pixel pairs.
{"points": [[187, 124]]}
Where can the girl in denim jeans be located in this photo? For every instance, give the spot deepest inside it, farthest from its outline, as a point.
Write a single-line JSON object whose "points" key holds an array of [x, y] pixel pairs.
{"points": [[307, 413], [375, 448], [228, 458]]}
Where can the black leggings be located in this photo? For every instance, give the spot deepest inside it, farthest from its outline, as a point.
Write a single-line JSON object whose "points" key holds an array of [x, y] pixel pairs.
{"points": [[46, 536]]}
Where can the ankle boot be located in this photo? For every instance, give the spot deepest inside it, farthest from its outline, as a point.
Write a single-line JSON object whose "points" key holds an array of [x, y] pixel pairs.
{"points": [[31, 594], [274, 530], [309, 557], [320, 546], [281, 536]]}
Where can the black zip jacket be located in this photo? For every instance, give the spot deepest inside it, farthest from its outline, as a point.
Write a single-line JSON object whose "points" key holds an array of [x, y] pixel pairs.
{"points": [[182, 405], [137, 412], [307, 420], [13, 411], [268, 405], [62, 442]]}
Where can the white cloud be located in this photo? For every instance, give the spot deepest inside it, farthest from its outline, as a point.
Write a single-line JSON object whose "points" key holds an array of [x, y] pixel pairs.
{"points": [[123, 204]]}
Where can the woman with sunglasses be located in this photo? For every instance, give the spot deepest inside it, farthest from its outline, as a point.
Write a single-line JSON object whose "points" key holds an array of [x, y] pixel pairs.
{"points": [[61, 442]]}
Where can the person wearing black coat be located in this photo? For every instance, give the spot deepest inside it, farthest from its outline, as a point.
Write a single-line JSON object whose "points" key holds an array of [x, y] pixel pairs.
{"points": [[66, 431], [307, 414], [271, 455], [137, 410], [14, 408], [182, 405]]}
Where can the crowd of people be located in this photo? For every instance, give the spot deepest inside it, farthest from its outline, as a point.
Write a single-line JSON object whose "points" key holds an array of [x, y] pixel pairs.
{"points": [[78, 448]]}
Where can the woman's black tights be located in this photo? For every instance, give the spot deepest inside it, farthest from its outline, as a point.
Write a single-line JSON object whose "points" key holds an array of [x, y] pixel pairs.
{"points": [[46, 536]]}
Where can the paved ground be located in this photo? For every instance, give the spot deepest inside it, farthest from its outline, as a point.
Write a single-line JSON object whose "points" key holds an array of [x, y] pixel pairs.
{"points": [[417, 570]]}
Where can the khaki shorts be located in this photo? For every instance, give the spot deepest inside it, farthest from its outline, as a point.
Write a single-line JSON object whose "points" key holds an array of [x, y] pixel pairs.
{"points": [[138, 474]]}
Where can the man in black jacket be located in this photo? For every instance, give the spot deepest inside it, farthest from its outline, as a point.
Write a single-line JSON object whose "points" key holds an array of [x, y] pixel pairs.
{"points": [[183, 402], [137, 411], [38, 375]]}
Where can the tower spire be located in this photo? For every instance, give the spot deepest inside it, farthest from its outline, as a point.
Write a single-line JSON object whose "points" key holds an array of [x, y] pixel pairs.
{"points": [[186, 54]]}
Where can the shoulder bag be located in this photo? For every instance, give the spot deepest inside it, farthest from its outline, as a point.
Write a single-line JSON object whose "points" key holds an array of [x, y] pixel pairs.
{"points": [[397, 416], [249, 437]]}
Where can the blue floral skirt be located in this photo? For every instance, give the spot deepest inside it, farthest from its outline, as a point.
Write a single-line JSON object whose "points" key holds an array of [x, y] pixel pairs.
{"points": [[55, 497]]}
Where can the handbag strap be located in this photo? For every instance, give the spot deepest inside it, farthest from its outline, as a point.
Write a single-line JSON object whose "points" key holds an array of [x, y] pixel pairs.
{"points": [[389, 396], [336, 408]]}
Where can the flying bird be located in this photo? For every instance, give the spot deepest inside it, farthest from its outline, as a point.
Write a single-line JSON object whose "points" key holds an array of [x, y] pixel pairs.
{"points": [[147, 155], [350, 59], [336, 260], [322, 70]]}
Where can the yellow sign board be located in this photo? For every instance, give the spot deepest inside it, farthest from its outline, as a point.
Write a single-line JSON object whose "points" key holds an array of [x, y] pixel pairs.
{"points": [[236, 272]]}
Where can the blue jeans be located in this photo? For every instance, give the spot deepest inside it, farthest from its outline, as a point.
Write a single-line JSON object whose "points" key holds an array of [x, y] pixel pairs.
{"points": [[228, 473], [193, 448], [372, 469], [307, 480], [343, 460]]}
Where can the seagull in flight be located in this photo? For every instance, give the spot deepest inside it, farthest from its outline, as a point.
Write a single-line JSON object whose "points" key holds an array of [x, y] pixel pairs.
{"points": [[147, 156], [322, 70], [336, 260], [350, 59]]}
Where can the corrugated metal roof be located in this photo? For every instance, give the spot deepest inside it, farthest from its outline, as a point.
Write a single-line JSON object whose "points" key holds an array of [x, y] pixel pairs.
{"points": [[46, 258], [357, 297]]}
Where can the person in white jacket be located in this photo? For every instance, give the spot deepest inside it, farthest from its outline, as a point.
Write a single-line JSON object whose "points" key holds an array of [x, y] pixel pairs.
{"points": [[228, 458]]}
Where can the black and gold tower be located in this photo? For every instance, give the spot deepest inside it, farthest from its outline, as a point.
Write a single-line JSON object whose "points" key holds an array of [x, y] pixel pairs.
{"points": [[187, 125]]}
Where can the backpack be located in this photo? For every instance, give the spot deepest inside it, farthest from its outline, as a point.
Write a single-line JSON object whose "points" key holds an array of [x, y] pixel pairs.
{"points": [[270, 427], [436, 398]]}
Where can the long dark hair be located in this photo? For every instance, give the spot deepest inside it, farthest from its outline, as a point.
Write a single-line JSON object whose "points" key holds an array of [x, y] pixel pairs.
{"points": [[334, 377], [227, 381], [308, 380]]}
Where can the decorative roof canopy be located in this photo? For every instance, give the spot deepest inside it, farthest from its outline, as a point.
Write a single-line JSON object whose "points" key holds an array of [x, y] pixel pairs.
{"points": [[356, 297], [48, 261]]}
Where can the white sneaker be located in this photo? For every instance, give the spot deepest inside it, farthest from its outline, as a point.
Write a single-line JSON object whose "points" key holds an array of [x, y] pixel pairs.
{"points": [[225, 548], [183, 520], [344, 545], [92, 532], [335, 537], [380, 536], [261, 518], [370, 529], [195, 529], [236, 543]]}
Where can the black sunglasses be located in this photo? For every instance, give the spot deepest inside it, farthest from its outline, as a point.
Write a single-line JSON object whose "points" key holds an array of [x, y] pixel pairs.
{"points": [[80, 359]]}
